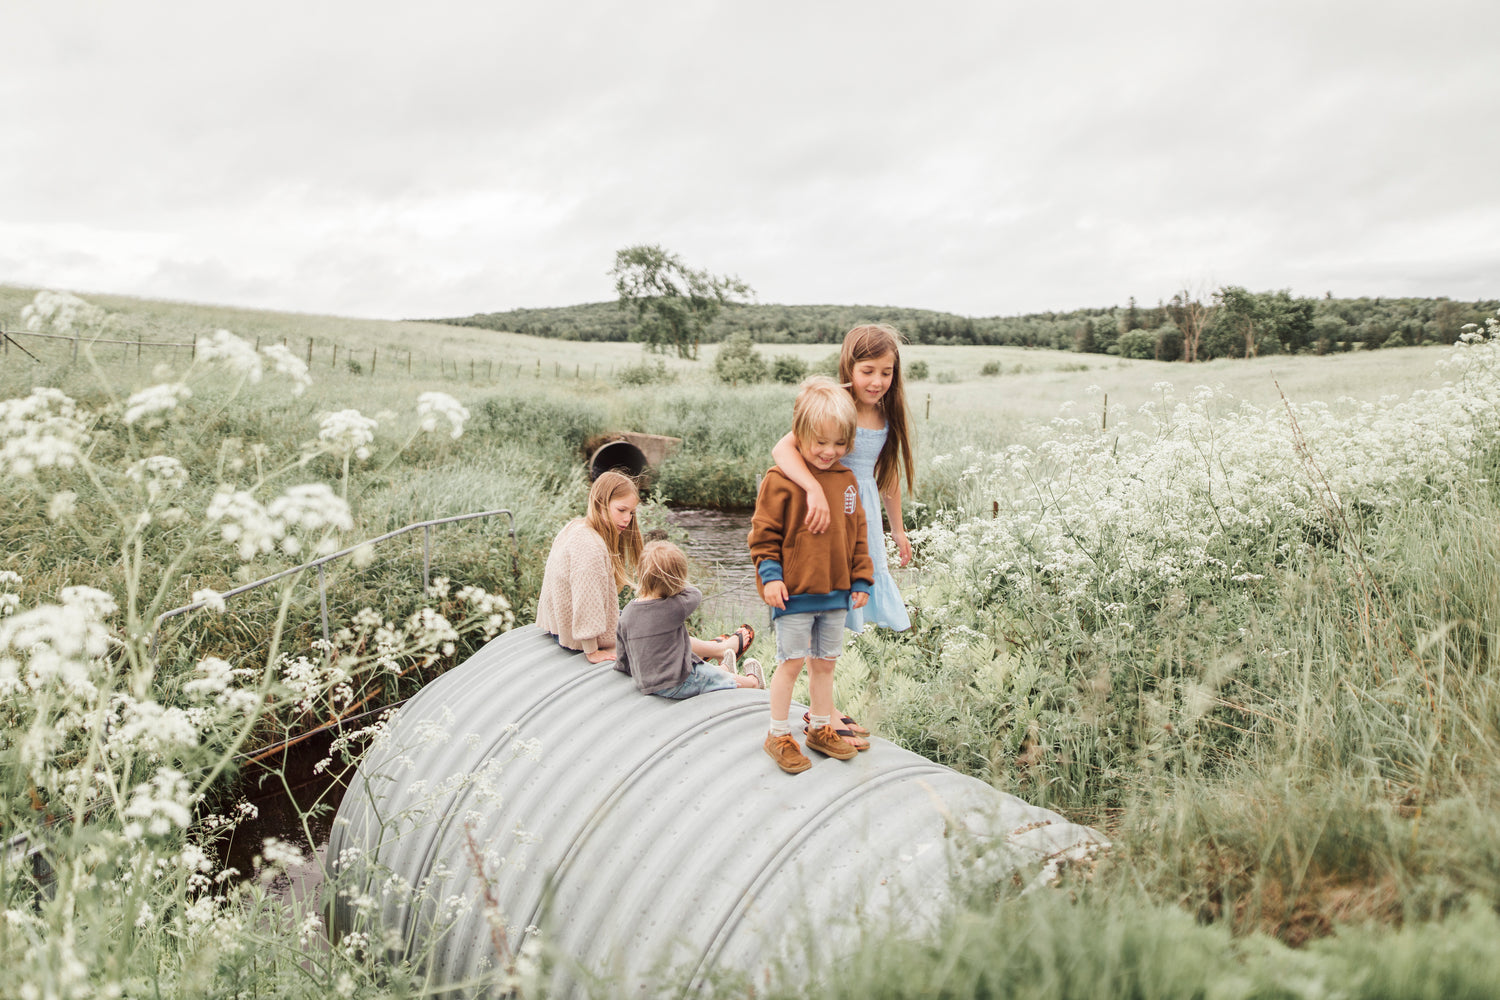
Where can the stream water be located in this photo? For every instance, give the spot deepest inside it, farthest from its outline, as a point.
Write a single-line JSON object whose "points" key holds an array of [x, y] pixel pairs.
{"points": [[284, 788]]}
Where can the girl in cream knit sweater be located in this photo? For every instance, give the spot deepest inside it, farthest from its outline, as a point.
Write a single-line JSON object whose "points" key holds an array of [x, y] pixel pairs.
{"points": [[591, 560]]}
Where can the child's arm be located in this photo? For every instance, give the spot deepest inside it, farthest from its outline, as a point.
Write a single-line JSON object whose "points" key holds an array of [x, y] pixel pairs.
{"points": [[789, 461], [892, 503], [622, 650], [767, 530], [590, 588]]}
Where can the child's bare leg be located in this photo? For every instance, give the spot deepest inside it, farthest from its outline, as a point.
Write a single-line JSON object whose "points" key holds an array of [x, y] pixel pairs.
{"points": [[781, 686], [707, 650], [820, 686]]}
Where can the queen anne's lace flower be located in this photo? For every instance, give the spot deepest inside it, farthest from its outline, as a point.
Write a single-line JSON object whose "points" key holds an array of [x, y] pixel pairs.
{"points": [[61, 312], [313, 509], [247, 524], [288, 364], [155, 399], [235, 353], [41, 430], [159, 474], [160, 805], [432, 405], [347, 432]]}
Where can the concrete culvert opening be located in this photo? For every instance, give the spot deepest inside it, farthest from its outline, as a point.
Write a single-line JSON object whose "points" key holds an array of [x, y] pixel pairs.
{"points": [[618, 455]]}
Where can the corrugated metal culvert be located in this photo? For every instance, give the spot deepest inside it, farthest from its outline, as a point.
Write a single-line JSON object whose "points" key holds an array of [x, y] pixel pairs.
{"points": [[651, 840]]}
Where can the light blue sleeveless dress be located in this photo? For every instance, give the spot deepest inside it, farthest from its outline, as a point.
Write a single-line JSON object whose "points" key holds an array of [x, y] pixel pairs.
{"points": [[885, 606]]}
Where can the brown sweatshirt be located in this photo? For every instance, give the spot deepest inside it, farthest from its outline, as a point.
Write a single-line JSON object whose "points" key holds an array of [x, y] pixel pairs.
{"points": [[820, 571]]}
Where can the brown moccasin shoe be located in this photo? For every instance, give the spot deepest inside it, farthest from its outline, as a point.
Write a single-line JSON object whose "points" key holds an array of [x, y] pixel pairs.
{"points": [[826, 740], [787, 754]]}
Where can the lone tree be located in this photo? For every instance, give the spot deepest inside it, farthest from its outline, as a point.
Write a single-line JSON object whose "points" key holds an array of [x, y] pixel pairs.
{"points": [[674, 304]]}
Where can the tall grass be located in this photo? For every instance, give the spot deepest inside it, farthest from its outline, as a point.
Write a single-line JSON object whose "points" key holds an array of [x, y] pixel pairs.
{"points": [[1260, 654]]}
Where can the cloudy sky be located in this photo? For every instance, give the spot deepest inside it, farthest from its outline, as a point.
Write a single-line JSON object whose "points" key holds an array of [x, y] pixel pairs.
{"points": [[388, 159]]}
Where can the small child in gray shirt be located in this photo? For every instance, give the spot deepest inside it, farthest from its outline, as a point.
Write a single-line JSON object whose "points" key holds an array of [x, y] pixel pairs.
{"points": [[651, 640]]}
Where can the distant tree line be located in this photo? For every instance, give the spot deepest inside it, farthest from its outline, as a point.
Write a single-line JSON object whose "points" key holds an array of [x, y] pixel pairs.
{"points": [[1231, 322]]}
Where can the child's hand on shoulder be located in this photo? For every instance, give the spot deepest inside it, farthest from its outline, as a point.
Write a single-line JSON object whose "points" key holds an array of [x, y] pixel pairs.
{"points": [[775, 594]]}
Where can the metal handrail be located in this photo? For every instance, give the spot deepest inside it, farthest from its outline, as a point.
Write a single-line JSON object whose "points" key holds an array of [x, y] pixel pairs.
{"points": [[426, 527]]}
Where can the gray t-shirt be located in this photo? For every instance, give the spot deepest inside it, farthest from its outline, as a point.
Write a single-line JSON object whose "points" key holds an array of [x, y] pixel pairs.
{"points": [[651, 641]]}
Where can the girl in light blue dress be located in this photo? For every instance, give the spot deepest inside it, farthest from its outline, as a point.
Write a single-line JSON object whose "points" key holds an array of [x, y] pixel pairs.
{"points": [[870, 368]]}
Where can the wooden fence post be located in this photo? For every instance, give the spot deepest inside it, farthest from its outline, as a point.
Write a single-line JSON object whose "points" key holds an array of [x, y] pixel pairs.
{"points": [[408, 362], [374, 353], [335, 362], [309, 352]]}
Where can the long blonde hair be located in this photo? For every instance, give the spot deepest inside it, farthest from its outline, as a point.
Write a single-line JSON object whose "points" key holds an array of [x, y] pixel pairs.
{"points": [[624, 546], [871, 340]]}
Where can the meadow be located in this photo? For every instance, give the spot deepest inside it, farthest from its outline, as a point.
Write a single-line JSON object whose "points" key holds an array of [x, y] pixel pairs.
{"points": [[1244, 623]]}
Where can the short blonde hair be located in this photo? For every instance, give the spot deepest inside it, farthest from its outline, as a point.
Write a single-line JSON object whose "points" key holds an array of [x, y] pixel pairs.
{"points": [[823, 405], [663, 569]]}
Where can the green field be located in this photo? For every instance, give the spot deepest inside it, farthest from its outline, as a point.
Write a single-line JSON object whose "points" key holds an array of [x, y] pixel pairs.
{"points": [[1248, 631]]}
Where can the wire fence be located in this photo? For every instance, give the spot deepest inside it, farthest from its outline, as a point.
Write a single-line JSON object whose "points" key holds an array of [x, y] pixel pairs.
{"points": [[319, 355]]}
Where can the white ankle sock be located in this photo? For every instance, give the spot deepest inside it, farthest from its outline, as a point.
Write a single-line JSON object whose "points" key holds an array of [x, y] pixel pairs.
{"points": [[817, 721], [781, 727]]}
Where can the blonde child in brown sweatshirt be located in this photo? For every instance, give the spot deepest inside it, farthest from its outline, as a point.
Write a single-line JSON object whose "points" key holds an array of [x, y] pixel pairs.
{"points": [[811, 580]]}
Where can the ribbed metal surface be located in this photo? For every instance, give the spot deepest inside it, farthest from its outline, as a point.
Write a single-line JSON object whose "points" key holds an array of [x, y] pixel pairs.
{"points": [[656, 833]]}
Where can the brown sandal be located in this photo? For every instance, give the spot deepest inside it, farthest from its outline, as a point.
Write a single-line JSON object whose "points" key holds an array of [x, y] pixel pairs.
{"points": [[848, 729], [744, 635]]}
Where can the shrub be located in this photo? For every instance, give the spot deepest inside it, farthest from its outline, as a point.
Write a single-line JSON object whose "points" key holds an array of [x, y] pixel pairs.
{"points": [[1139, 344], [788, 368], [828, 366], [646, 373], [738, 361], [917, 370], [990, 368]]}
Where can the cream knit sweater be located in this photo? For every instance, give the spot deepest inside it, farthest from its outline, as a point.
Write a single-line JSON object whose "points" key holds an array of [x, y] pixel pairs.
{"points": [[579, 602]]}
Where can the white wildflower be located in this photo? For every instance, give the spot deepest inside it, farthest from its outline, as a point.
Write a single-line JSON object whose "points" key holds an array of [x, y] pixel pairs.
{"points": [[288, 364], [92, 602], [281, 854], [312, 507], [62, 505], [61, 312], [347, 432], [159, 474], [41, 430], [211, 599], [160, 805], [247, 525], [432, 405], [155, 399], [237, 354]]}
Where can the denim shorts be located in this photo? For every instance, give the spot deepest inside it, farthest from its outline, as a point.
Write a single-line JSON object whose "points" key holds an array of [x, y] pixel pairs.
{"points": [[818, 634], [700, 679]]}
